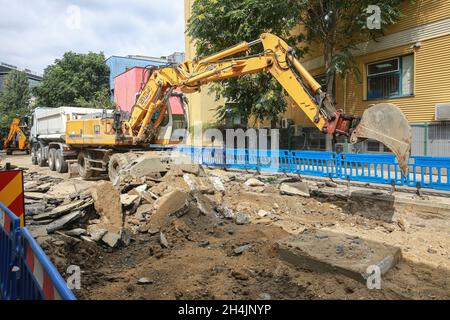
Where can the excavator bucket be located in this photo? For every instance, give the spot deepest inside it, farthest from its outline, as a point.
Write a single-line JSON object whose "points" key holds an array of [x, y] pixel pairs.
{"points": [[387, 124]]}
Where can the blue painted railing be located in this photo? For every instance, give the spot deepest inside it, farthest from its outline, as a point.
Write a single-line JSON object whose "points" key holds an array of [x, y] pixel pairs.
{"points": [[26, 273], [426, 172], [9, 242]]}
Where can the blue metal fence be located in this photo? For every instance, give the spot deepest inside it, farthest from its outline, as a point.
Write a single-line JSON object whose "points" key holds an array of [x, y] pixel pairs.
{"points": [[9, 241], [26, 273], [426, 172], [39, 278]]}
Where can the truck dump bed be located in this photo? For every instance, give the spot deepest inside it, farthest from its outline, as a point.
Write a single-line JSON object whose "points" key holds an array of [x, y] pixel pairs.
{"points": [[50, 123]]}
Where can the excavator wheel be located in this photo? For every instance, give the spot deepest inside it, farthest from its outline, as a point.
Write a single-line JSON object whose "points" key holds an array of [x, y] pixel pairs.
{"points": [[41, 161], [83, 167], [33, 156], [117, 162]]}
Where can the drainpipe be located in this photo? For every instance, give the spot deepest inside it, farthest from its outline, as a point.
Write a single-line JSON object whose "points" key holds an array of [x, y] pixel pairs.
{"points": [[425, 140], [345, 108]]}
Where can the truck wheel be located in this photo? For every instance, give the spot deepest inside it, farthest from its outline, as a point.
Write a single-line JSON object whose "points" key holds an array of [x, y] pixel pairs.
{"points": [[82, 166], [41, 161], [116, 163], [51, 159], [33, 156], [60, 164]]}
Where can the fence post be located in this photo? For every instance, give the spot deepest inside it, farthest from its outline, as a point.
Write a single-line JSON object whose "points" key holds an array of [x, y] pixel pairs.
{"points": [[338, 164]]}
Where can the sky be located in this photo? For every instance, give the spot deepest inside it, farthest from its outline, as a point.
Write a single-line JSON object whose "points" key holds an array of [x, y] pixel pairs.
{"points": [[33, 33]]}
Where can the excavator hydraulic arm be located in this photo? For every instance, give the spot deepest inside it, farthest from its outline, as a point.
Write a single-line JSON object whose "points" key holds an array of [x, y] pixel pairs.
{"points": [[383, 122]]}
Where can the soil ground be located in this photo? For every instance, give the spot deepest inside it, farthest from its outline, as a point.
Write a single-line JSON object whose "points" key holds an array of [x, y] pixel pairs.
{"points": [[200, 262]]}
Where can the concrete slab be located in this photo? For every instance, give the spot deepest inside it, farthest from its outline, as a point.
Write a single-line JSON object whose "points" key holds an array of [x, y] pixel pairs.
{"points": [[325, 251], [295, 189]]}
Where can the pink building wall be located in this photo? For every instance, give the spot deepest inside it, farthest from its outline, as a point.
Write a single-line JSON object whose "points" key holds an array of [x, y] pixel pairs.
{"points": [[128, 84]]}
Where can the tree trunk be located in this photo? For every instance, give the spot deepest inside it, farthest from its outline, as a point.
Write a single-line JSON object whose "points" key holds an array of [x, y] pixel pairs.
{"points": [[330, 85]]}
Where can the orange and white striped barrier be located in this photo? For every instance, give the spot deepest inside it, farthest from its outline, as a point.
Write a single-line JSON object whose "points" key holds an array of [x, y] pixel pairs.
{"points": [[12, 193]]}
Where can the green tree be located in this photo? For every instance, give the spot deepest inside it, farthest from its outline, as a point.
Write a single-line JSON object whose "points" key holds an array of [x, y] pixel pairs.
{"points": [[15, 98], [75, 80], [216, 25]]}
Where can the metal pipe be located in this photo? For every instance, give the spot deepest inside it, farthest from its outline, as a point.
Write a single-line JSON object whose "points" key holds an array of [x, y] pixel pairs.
{"points": [[244, 46], [312, 83], [197, 78], [253, 43]]}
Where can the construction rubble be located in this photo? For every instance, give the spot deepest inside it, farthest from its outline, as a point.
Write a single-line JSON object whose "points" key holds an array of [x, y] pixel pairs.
{"points": [[198, 233]]}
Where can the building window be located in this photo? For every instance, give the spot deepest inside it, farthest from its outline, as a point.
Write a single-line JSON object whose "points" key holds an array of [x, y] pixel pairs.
{"points": [[391, 78]]}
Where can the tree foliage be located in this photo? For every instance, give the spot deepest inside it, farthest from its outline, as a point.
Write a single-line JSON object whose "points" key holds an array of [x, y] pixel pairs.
{"points": [[80, 80], [15, 98], [216, 25]]}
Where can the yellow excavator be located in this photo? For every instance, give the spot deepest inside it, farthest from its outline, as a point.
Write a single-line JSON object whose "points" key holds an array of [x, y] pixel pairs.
{"points": [[104, 143], [16, 139]]}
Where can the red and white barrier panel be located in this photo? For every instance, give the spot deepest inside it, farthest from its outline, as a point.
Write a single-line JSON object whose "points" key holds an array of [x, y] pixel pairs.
{"points": [[5, 221], [43, 279], [46, 277]]}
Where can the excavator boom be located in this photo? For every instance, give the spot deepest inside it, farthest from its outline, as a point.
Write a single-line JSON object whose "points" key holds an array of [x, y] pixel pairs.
{"points": [[384, 123]]}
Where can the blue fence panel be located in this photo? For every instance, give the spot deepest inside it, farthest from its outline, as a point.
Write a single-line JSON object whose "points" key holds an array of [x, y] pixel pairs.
{"points": [[39, 279], [375, 168], [315, 163], [429, 172], [9, 241]]}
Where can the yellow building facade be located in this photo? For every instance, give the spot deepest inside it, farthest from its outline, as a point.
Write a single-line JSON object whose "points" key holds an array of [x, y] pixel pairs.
{"points": [[422, 38], [202, 105]]}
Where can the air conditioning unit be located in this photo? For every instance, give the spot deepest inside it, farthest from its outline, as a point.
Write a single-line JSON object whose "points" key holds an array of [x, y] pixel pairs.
{"points": [[443, 112], [286, 123], [297, 130]]}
